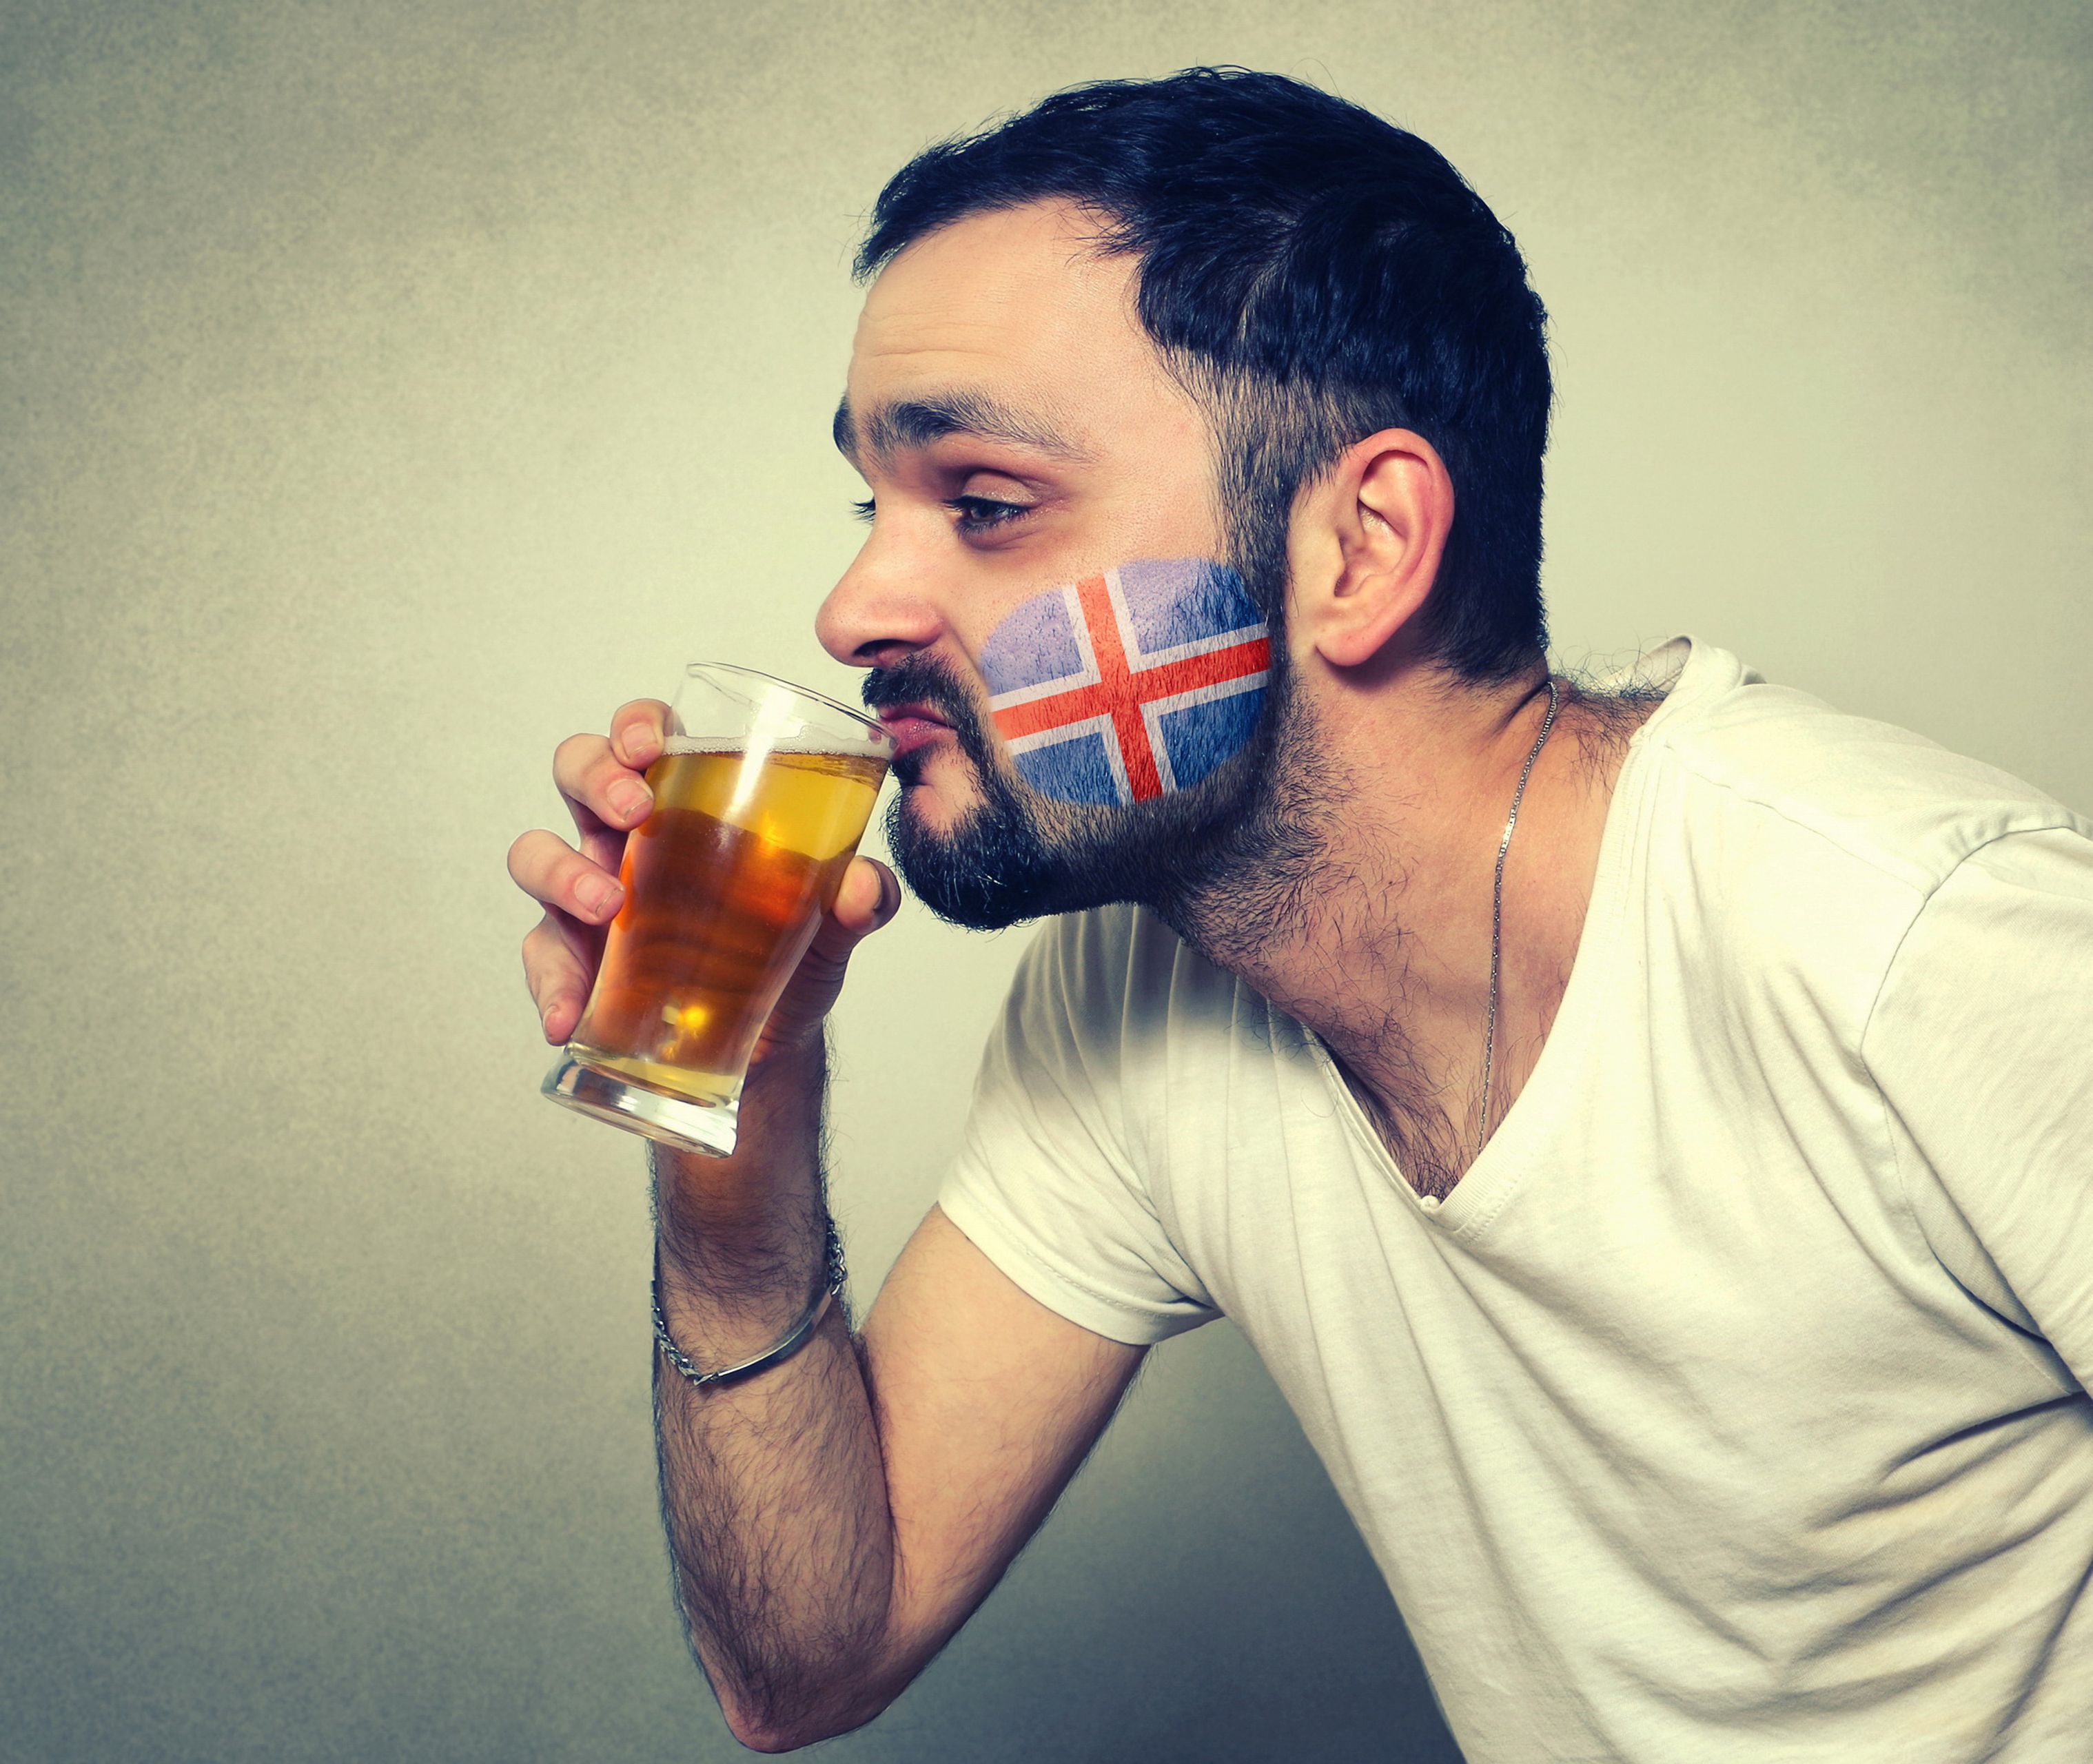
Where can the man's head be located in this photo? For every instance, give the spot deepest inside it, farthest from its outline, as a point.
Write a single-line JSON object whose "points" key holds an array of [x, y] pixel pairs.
{"points": [[1135, 323]]}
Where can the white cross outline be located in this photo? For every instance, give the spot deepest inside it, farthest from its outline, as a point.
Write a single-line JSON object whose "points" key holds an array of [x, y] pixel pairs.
{"points": [[1065, 682], [1114, 760], [1152, 713]]}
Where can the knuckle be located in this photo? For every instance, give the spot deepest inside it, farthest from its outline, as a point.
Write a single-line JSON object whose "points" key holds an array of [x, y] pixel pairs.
{"points": [[574, 753], [636, 731], [536, 861]]}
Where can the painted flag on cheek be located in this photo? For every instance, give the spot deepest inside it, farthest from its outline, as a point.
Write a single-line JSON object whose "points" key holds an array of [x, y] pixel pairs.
{"points": [[1129, 684]]}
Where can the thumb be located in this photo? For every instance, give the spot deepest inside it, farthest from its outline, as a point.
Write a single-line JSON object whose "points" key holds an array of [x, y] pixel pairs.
{"points": [[867, 897]]}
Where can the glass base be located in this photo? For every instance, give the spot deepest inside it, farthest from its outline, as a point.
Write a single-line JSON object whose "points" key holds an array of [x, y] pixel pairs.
{"points": [[638, 1108]]}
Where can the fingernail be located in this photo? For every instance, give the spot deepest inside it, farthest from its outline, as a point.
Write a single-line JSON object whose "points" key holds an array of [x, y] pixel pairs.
{"points": [[631, 799], [599, 894]]}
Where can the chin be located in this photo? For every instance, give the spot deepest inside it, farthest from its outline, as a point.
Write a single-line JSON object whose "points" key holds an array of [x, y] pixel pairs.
{"points": [[938, 793]]}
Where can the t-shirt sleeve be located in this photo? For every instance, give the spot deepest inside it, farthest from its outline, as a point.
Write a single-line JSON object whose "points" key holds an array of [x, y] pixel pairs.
{"points": [[1048, 1182], [1981, 1042]]}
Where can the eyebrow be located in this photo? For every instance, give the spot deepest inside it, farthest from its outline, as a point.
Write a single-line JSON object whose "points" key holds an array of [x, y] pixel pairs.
{"points": [[917, 423]]}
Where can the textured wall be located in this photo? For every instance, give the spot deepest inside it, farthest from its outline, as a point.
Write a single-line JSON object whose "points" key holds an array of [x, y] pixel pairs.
{"points": [[387, 390]]}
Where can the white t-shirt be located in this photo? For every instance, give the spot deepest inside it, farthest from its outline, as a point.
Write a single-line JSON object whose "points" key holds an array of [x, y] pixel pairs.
{"points": [[1731, 1407]]}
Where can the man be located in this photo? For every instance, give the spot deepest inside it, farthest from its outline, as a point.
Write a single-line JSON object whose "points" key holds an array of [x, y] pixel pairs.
{"points": [[1643, 1132]]}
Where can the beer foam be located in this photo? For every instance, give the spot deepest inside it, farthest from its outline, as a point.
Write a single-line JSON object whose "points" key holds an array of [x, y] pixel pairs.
{"points": [[844, 746], [810, 795]]}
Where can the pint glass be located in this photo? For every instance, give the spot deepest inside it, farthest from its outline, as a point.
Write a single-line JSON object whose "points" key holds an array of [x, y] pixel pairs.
{"points": [[760, 796]]}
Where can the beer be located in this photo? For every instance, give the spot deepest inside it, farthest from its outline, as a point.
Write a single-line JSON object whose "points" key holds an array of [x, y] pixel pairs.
{"points": [[725, 885], [759, 795]]}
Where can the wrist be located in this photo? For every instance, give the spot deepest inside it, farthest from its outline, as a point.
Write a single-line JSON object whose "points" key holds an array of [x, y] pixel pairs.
{"points": [[728, 1294], [789, 1051], [753, 1244], [826, 1290], [775, 1164]]}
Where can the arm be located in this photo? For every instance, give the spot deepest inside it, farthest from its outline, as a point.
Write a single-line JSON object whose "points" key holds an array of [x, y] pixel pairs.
{"points": [[836, 1519]]}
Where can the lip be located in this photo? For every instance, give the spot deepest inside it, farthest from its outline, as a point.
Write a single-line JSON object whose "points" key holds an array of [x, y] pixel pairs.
{"points": [[910, 726]]}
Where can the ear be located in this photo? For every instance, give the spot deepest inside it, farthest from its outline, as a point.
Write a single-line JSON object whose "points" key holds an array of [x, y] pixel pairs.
{"points": [[1366, 541]]}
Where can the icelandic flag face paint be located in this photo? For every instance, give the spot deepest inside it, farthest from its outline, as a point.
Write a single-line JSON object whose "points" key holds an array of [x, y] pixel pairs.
{"points": [[1131, 683]]}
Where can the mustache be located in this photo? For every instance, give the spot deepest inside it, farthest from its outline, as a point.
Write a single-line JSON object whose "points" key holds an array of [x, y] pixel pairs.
{"points": [[933, 682], [923, 679]]}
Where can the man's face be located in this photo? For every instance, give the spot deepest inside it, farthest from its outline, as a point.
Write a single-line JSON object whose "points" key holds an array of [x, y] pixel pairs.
{"points": [[1018, 435]]}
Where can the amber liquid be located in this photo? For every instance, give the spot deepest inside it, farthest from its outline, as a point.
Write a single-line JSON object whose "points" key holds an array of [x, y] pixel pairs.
{"points": [[726, 883]]}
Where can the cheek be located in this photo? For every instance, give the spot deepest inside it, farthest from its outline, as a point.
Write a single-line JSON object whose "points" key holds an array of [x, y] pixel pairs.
{"points": [[1129, 684]]}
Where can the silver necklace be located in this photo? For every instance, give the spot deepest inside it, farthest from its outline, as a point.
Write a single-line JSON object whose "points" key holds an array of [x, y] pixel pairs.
{"points": [[1496, 905]]}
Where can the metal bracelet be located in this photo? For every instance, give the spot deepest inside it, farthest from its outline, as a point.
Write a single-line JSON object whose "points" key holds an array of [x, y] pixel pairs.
{"points": [[794, 1339]]}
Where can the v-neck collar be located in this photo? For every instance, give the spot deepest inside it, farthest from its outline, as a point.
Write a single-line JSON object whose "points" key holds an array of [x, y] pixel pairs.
{"points": [[1685, 670]]}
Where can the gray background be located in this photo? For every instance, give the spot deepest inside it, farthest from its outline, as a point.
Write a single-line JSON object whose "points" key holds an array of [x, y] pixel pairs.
{"points": [[388, 390]]}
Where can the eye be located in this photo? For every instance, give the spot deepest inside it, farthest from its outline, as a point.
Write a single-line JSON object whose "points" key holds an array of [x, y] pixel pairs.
{"points": [[978, 514], [863, 511]]}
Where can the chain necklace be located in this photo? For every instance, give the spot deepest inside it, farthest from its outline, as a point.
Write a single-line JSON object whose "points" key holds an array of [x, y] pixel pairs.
{"points": [[1497, 907]]}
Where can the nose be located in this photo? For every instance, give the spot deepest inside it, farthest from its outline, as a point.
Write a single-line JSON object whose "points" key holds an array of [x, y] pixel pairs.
{"points": [[877, 613]]}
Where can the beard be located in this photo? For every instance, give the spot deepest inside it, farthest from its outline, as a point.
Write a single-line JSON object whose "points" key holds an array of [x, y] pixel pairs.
{"points": [[1227, 863]]}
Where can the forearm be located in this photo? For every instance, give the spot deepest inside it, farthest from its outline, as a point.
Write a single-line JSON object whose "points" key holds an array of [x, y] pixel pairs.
{"points": [[773, 1493]]}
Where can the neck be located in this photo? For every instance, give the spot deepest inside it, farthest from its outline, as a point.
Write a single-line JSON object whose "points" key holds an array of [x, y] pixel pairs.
{"points": [[1358, 897]]}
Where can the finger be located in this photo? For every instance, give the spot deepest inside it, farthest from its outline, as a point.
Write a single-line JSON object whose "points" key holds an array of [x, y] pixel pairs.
{"points": [[553, 873], [637, 730], [602, 790], [868, 898], [558, 981]]}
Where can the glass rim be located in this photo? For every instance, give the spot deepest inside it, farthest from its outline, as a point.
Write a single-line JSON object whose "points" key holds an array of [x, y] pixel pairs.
{"points": [[872, 723]]}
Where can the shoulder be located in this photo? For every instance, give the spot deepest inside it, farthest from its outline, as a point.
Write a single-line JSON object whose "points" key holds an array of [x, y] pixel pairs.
{"points": [[1114, 974], [1778, 850], [1847, 790], [1052, 1178]]}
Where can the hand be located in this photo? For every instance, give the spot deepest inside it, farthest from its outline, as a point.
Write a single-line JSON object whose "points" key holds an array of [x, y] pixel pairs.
{"points": [[599, 777]]}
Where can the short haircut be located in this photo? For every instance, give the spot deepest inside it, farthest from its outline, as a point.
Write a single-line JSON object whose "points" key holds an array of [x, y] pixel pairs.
{"points": [[1311, 274]]}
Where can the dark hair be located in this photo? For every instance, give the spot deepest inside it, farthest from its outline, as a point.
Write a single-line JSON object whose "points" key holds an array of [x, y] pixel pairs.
{"points": [[1311, 274]]}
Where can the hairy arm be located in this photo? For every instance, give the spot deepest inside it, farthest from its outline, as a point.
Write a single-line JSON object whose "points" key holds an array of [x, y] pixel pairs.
{"points": [[835, 1521]]}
